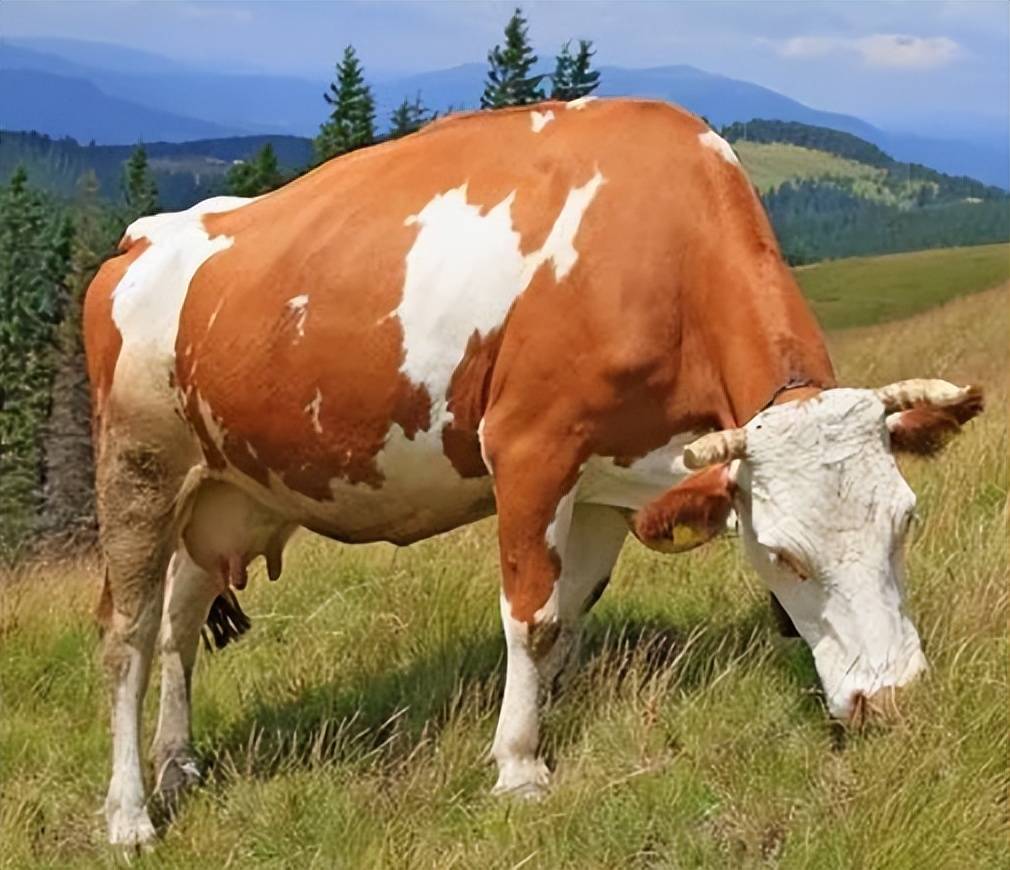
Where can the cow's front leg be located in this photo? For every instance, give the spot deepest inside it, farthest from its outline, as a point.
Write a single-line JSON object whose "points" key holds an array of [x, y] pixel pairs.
{"points": [[535, 498]]}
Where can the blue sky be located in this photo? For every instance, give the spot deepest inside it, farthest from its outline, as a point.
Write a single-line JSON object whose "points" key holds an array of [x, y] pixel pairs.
{"points": [[902, 64]]}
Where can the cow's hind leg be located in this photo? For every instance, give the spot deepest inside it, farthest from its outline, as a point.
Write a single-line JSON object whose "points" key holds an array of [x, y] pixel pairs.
{"points": [[190, 593], [135, 494]]}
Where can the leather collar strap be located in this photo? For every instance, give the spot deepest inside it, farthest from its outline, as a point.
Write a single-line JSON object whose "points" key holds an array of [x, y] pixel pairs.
{"points": [[786, 387]]}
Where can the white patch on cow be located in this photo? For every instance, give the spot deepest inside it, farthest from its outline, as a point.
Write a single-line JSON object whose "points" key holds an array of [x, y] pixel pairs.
{"points": [[579, 103], [213, 315], [713, 140], [520, 771], [604, 482], [453, 290], [312, 409], [299, 306], [539, 120], [148, 299], [824, 489], [483, 449]]}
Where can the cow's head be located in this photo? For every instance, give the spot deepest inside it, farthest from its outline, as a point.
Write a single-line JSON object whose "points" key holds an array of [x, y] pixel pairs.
{"points": [[823, 513]]}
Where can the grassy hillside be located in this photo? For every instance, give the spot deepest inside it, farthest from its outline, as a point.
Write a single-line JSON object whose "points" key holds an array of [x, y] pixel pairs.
{"points": [[864, 290], [350, 727], [770, 164], [831, 194]]}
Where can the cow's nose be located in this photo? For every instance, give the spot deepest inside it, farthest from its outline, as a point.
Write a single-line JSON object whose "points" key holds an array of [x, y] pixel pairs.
{"points": [[880, 708]]}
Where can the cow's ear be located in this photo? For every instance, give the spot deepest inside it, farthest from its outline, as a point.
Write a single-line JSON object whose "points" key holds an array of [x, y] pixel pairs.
{"points": [[925, 429], [689, 514]]}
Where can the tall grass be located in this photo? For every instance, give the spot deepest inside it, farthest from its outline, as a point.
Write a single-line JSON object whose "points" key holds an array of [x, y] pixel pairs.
{"points": [[351, 727]]}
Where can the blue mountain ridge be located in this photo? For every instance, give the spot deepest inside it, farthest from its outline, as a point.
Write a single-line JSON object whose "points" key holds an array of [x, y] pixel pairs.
{"points": [[122, 95]]}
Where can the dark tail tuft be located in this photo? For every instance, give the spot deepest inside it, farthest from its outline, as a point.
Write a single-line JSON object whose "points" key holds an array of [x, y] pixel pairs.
{"points": [[226, 621]]}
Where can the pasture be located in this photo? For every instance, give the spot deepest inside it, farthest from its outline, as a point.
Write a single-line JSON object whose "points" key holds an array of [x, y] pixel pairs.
{"points": [[769, 164], [350, 727]]}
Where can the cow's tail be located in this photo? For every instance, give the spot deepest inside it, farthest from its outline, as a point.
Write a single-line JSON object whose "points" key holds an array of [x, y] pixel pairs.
{"points": [[225, 622]]}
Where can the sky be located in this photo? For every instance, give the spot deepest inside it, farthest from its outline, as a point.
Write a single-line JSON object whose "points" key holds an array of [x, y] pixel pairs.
{"points": [[898, 64]]}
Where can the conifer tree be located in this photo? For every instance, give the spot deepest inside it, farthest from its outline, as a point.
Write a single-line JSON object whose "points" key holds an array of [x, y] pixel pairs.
{"points": [[573, 77], [67, 516], [509, 82], [139, 190], [36, 242], [259, 175], [352, 118], [409, 117]]}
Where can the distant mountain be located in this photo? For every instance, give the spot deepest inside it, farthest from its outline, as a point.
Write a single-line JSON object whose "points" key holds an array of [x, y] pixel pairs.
{"points": [[32, 100], [185, 172], [236, 103], [278, 104]]}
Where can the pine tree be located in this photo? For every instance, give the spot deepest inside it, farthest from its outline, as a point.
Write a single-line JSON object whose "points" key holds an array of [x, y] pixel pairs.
{"points": [[409, 117], [572, 76], [68, 511], [352, 119], [139, 190], [509, 82], [259, 175], [36, 243]]}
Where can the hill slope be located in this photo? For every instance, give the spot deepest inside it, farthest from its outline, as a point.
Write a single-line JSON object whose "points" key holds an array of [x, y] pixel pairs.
{"points": [[832, 194], [351, 726]]}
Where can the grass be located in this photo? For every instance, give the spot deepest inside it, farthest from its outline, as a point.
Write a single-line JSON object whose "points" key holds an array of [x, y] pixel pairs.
{"points": [[863, 290], [350, 728]]}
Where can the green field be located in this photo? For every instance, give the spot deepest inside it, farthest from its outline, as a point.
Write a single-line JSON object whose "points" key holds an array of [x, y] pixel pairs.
{"points": [[864, 290], [350, 727], [768, 164]]}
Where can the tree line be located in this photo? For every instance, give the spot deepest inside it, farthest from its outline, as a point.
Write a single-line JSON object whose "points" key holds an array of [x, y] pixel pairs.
{"points": [[51, 248]]}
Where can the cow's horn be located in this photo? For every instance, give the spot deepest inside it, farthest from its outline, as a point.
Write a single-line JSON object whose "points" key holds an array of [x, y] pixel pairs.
{"points": [[905, 394], [716, 447]]}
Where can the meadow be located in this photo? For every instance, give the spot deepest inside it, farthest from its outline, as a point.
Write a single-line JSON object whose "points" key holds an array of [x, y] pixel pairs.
{"points": [[350, 727]]}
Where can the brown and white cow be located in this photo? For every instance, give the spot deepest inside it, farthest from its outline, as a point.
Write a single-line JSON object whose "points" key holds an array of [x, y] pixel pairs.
{"points": [[531, 311]]}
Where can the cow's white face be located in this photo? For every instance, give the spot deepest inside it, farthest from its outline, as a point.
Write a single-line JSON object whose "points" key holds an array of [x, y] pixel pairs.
{"points": [[824, 514]]}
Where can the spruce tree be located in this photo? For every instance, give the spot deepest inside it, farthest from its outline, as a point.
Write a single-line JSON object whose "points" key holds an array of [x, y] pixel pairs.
{"points": [[36, 242], [254, 177], [573, 77], [352, 118], [509, 82], [408, 117], [139, 190]]}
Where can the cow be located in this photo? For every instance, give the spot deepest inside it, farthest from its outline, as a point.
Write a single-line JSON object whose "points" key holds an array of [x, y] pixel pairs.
{"points": [[574, 315]]}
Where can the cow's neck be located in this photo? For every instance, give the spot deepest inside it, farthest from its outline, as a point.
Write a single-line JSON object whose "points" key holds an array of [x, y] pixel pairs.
{"points": [[767, 345]]}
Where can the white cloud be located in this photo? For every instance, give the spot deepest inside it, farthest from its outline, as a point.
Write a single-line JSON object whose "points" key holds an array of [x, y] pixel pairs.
{"points": [[895, 50]]}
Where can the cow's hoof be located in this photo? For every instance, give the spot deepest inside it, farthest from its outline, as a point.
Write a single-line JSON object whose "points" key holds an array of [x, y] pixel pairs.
{"points": [[131, 830], [522, 778], [176, 776]]}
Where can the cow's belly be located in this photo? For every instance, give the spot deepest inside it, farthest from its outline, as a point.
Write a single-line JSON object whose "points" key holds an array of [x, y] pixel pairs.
{"points": [[421, 494]]}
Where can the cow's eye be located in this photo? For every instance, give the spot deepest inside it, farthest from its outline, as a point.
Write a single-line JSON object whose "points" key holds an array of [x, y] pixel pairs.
{"points": [[792, 562]]}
